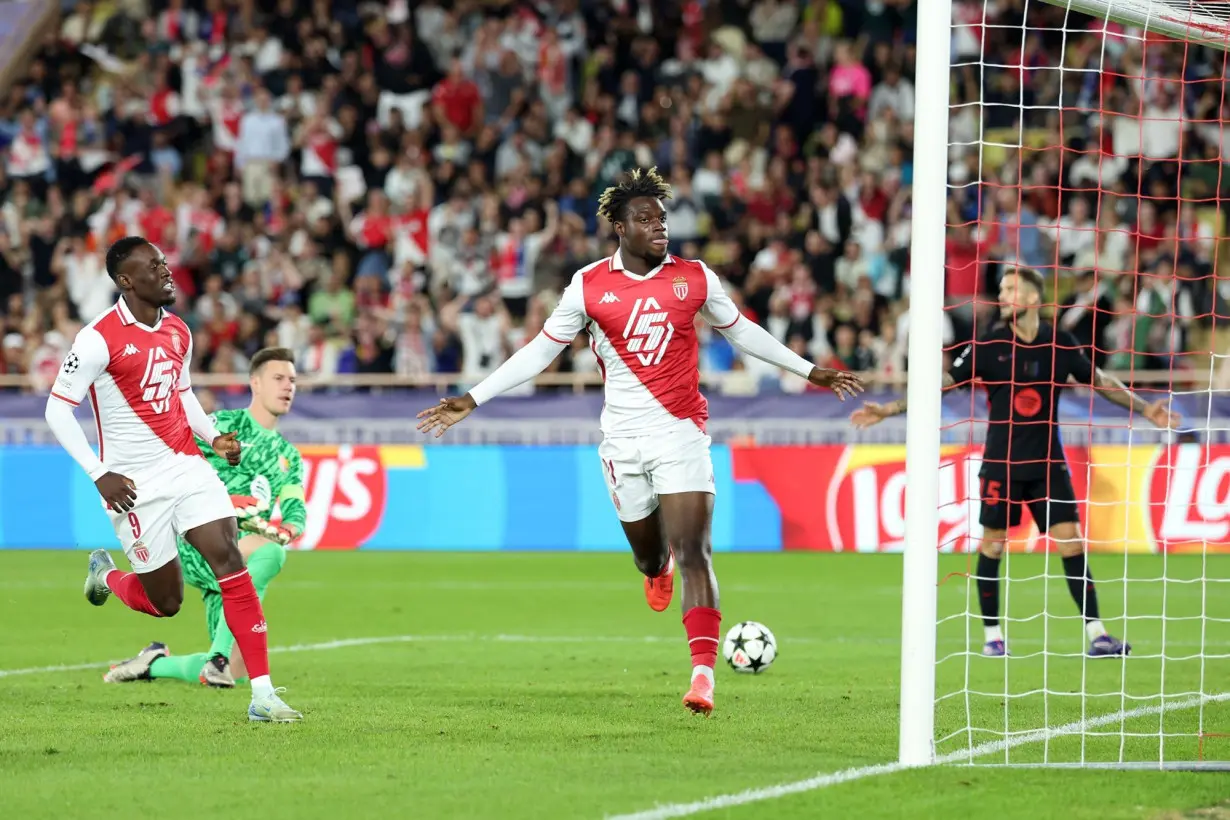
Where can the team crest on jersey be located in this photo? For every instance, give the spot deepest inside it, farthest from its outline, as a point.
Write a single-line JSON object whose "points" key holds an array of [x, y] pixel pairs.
{"points": [[175, 342], [681, 288], [140, 552]]}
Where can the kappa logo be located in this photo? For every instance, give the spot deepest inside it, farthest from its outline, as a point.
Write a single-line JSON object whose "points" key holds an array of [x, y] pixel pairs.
{"points": [[130, 350], [608, 298]]}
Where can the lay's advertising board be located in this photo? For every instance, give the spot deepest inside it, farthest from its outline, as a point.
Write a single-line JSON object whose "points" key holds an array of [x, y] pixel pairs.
{"points": [[824, 498]]}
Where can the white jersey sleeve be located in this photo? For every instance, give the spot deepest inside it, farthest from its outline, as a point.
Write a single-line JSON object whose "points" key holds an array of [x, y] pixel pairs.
{"points": [[719, 310], [81, 368], [185, 378], [84, 363], [568, 319]]}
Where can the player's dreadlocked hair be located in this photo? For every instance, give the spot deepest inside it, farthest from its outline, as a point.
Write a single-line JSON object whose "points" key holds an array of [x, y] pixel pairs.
{"points": [[118, 253], [613, 204]]}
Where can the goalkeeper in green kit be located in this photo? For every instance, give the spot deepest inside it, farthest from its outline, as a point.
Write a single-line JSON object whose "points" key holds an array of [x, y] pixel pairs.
{"points": [[270, 472]]}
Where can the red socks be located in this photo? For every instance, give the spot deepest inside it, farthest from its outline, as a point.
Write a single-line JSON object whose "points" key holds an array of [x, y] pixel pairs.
{"points": [[127, 587], [242, 610], [702, 624]]}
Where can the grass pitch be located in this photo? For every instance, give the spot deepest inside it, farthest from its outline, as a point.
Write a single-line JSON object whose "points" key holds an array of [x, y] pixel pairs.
{"points": [[541, 686]]}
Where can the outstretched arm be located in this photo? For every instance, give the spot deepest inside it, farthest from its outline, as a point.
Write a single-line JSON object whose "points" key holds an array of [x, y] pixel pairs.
{"points": [[870, 413], [1082, 371], [1118, 393], [723, 315], [564, 323]]}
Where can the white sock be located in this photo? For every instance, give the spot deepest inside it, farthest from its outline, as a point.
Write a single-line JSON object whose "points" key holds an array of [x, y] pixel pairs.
{"points": [[993, 633], [261, 686], [707, 671], [1094, 630]]}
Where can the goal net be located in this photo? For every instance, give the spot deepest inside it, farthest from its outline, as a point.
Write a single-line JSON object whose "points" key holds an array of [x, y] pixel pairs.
{"points": [[1086, 140]]}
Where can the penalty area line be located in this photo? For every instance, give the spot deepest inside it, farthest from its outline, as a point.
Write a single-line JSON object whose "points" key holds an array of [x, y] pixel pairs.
{"points": [[823, 781]]}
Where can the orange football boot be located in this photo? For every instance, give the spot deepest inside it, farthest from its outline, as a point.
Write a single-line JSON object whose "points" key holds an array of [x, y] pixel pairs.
{"points": [[660, 590], [700, 697]]}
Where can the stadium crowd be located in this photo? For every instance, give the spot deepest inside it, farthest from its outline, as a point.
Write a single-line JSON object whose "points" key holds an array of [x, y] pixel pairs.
{"points": [[404, 187]]}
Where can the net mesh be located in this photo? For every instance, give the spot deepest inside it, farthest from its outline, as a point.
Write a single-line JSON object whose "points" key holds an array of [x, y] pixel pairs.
{"points": [[1093, 152]]}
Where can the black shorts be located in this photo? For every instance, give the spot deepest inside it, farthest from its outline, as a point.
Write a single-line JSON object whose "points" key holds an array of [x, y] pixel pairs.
{"points": [[1050, 498]]}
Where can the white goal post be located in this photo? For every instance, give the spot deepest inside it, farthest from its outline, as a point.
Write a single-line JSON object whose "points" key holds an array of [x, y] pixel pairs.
{"points": [[1171, 596]]}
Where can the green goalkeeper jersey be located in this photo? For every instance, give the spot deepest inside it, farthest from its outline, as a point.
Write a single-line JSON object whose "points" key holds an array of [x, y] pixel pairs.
{"points": [[270, 469]]}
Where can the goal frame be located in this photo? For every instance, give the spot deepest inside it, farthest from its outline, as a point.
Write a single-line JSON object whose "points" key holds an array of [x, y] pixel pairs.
{"points": [[928, 228], [920, 573]]}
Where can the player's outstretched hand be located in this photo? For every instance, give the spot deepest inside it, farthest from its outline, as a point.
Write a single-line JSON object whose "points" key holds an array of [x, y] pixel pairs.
{"points": [[445, 414], [118, 491], [869, 414], [227, 446], [841, 382], [1161, 417]]}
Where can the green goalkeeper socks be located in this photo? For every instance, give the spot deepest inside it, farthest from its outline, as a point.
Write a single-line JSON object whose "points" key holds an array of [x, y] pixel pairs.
{"points": [[180, 667], [263, 565]]}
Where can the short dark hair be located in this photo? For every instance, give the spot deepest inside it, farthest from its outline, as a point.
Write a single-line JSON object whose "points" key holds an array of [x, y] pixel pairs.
{"points": [[1033, 277], [118, 253], [613, 204], [269, 354]]}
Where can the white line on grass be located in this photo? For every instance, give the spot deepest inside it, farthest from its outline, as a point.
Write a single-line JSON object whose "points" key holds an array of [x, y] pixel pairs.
{"points": [[552, 639], [345, 643], [822, 781]]}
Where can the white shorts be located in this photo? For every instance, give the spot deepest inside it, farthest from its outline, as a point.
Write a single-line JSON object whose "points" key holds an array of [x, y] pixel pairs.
{"points": [[168, 505], [639, 469]]}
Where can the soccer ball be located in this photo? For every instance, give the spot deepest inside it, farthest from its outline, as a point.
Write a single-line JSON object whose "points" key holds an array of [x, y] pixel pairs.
{"points": [[749, 647]]}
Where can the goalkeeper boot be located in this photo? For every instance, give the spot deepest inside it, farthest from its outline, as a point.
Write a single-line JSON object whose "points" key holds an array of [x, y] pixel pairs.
{"points": [[271, 709], [659, 590], [699, 698], [1108, 646], [96, 590], [137, 668], [995, 649], [217, 673]]}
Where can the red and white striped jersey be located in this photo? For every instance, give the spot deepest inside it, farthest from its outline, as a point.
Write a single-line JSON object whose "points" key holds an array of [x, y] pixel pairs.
{"points": [[643, 331], [133, 375]]}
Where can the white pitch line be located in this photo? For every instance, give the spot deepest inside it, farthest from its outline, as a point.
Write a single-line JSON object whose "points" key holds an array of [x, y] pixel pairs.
{"points": [[823, 781], [345, 643]]}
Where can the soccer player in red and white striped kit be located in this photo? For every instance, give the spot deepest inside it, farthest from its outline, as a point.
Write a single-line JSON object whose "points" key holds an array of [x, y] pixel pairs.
{"points": [[639, 308], [132, 362]]}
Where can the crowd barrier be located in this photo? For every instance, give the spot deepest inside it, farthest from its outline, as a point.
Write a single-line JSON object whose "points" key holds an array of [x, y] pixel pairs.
{"points": [[822, 498]]}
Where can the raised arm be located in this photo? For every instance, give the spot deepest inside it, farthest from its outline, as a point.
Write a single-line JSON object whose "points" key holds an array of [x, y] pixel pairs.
{"points": [[723, 315], [564, 323]]}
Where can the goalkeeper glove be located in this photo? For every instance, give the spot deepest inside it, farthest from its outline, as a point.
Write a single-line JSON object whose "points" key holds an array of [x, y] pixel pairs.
{"points": [[247, 506], [273, 532]]}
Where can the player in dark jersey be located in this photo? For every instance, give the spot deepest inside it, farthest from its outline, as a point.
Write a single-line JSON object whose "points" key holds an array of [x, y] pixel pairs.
{"points": [[1024, 364]]}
